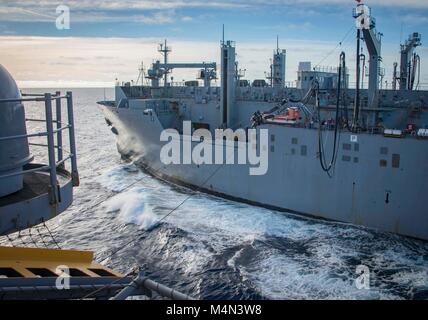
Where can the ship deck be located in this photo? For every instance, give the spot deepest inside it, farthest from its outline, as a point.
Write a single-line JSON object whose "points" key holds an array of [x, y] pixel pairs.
{"points": [[34, 185]]}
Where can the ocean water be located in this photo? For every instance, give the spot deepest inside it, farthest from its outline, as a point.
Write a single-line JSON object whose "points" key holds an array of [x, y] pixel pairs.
{"points": [[213, 248]]}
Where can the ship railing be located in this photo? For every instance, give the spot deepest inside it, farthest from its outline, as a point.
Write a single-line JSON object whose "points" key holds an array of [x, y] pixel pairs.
{"points": [[326, 69], [57, 155], [290, 84]]}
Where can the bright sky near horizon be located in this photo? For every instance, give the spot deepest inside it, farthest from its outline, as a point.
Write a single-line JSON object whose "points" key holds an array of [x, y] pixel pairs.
{"points": [[108, 39]]}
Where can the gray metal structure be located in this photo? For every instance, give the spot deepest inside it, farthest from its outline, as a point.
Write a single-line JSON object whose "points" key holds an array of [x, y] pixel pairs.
{"points": [[106, 287], [33, 193], [40, 191], [378, 176], [161, 70], [15, 154], [406, 53], [373, 41], [278, 67], [141, 285]]}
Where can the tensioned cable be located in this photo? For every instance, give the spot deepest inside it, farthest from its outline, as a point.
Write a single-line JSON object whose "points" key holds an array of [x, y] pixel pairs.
{"points": [[337, 46]]}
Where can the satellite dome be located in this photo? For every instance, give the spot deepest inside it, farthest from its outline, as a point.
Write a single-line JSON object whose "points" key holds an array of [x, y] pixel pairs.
{"points": [[8, 87], [14, 153]]}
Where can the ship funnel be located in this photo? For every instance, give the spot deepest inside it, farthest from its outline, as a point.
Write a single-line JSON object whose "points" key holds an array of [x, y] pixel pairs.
{"points": [[14, 154]]}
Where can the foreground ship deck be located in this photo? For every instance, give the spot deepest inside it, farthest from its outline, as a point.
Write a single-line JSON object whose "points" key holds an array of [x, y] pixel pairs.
{"points": [[33, 193]]}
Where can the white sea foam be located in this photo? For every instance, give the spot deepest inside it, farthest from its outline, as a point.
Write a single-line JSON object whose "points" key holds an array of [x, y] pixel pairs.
{"points": [[120, 177], [279, 276], [133, 208]]}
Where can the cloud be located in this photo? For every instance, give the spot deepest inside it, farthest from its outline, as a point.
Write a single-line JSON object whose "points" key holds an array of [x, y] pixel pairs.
{"points": [[152, 17], [304, 25], [128, 4], [379, 3], [79, 62], [45, 9], [144, 11], [414, 19]]}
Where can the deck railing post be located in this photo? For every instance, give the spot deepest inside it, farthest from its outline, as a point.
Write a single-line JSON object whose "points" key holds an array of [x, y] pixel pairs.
{"points": [[74, 172], [58, 126], [53, 189]]}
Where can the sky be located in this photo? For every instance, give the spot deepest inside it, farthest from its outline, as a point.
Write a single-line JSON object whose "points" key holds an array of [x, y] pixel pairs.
{"points": [[108, 39]]}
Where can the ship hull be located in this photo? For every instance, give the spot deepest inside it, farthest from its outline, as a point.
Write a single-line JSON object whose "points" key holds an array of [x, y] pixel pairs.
{"points": [[377, 182]]}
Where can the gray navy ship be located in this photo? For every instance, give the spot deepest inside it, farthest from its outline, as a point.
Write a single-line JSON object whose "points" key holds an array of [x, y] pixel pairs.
{"points": [[351, 155]]}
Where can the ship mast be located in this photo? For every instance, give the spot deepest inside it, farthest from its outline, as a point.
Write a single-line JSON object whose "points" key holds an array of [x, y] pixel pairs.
{"points": [[366, 25], [165, 50]]}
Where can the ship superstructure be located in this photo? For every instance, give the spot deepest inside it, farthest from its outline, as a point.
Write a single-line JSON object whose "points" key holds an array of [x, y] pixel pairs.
{"points": [[353, 155]]}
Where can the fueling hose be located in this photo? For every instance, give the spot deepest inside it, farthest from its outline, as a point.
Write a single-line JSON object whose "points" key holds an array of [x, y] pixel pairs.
{"points": [[328, 167]]}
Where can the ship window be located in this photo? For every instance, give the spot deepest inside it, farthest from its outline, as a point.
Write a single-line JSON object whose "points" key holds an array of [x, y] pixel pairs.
{"points": [[42, 272], [346, 146], [396, 161], [294, 140], [383, 163], [293, 151], [356, 160], [272, 148], [272, 138], [102, 272], [384, 150], [303, 150], [346, 158], [9, 273], [356, 147]]}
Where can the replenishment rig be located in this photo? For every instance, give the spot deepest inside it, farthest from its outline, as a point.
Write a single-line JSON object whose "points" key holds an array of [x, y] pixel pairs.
{"points": [[352, 155]]}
